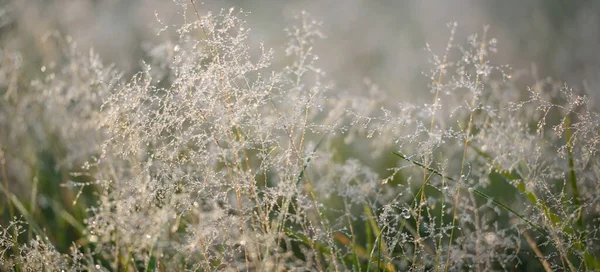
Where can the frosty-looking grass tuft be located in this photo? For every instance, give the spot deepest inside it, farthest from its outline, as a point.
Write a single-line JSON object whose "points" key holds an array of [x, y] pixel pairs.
{"points": [[223, 154]]}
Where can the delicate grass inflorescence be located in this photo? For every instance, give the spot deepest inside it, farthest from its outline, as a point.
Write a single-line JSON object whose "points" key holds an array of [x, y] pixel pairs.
{"points": [[218, 155]]}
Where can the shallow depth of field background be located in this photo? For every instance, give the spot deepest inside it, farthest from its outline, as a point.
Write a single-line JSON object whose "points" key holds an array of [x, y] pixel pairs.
{"points": [[380, 40]]}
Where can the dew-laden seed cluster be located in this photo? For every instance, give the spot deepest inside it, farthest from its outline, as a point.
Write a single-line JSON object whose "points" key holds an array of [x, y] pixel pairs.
{"points": [[219, 155]]}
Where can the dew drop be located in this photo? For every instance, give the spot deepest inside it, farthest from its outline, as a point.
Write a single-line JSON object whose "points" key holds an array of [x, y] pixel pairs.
{"points": [[405, 213], [177, 59]]}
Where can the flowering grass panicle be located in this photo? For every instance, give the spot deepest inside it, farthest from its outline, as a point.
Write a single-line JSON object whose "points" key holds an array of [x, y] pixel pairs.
{"points": [[219, 155]]}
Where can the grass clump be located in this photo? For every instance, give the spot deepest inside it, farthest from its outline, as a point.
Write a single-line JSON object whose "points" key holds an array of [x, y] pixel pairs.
{"points": [[212, 157]]}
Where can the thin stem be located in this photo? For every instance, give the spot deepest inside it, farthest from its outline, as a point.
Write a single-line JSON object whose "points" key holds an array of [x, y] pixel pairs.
{"points": [[482, 194], [466, 144]]}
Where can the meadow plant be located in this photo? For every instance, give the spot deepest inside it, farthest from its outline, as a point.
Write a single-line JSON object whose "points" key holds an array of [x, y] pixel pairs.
{"points": [[218, 155]]}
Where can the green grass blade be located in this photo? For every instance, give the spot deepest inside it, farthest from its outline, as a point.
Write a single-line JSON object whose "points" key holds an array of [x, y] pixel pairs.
{"points": [[318, 246], [501, 205], [301, 174], [572, 175]]}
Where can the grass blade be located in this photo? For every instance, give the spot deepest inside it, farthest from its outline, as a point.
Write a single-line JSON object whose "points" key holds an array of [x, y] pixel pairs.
{"points": [[499, 204]]}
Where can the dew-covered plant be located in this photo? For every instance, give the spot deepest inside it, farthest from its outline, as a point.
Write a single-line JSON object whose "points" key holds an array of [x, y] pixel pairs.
{"points": [[219, 155]]}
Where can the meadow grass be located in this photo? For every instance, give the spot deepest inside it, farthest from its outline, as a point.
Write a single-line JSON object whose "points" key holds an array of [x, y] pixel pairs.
{"points": [[211, 157]]}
